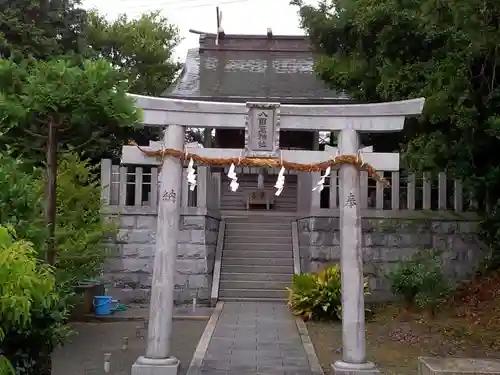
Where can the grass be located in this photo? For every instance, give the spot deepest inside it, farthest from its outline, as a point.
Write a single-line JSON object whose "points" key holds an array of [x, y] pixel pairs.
{"points": [[466, 326]]}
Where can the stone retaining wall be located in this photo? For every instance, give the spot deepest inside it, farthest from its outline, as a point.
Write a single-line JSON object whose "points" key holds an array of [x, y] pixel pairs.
{"points": [[128, 272], [386, 241]]}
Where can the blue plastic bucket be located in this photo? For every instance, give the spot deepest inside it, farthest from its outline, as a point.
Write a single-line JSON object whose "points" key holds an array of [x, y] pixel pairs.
{"points": [[102, 305]]}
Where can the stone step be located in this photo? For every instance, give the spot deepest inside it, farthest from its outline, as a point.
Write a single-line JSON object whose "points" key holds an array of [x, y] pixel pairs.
{"points": [[264, 230], [258, 246], [258, 226], [231, 253], [252, 293], [258, 285], [231, 238], [258, 262], [267, 232], [271, 219], [270, 270], [240, 299], [256, 276]]}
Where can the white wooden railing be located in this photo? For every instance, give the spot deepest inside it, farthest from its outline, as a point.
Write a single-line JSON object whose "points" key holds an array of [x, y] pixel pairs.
{"points": [[407, 191], [138, 186], [135, 186]]}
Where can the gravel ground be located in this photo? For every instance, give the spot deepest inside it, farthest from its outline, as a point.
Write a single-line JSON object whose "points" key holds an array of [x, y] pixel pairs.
{"points": [[84, 353], [394, 341]]}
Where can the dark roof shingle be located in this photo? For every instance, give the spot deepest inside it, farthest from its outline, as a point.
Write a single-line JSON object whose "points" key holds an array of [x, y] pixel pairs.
{"points": [[250, 67]]}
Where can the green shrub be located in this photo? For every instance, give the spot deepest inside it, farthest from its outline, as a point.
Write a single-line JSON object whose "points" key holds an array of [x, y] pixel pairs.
{"points": [[27, 292], [81, 230], [21, 199], [420, 280], [82, 233], [30, 348], [317, 295]]}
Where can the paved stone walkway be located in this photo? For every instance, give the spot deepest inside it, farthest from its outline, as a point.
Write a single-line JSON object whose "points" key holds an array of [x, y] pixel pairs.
{"points": [[255, 338], [84, 353]]}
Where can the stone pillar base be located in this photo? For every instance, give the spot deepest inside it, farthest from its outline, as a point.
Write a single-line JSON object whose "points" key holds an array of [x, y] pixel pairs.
{"points": [[152, 366], [344, 368]]}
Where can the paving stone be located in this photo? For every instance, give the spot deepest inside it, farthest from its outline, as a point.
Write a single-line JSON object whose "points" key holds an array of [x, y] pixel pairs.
{"points": [[299, 362], [243, 355], [243, 371], [267, 354], [215, 364], [83, 353], [293, 355], [255, 338], [269, 370], [213, 372], [221, 346], [245, 346], [222, 351], [229, 334], [293, 351], [218, 356], [242, 362]]}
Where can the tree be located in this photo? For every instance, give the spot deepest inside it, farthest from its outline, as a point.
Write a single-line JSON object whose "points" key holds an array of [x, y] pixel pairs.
{"points": [[446, 51], [84, 236], [51, 106], [140, 49], [41, 29], [70, 102]]}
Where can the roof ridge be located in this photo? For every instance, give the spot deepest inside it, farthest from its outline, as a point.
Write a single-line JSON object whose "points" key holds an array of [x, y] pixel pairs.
{"points": [[241, 75], [204, 34]]}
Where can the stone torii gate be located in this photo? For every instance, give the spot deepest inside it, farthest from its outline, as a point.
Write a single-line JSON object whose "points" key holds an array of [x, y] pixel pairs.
{"points": [[262, 123]]}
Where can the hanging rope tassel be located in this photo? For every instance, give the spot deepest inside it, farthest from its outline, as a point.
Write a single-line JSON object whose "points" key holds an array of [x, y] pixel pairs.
{"points": [[321, 183], [234, 178], [191, 175], [280, 182]]}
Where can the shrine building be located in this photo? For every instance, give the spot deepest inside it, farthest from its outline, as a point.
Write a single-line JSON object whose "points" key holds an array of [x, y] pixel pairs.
{"points": [[257, 68], [258, 95]]}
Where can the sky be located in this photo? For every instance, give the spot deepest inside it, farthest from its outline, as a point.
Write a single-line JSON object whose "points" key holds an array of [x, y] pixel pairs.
{"points": [[238, 16]]}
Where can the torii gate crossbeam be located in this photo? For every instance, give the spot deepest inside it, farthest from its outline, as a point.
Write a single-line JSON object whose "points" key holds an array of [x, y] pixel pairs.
{"points": [[369, 118]]}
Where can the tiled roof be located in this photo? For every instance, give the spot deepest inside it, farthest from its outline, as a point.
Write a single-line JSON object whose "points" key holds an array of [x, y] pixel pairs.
{"points": [[248, 67]]}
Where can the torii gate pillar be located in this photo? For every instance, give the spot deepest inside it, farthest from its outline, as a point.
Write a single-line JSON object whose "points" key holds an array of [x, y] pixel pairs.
{"points": [[351, 265], [158, 359]]}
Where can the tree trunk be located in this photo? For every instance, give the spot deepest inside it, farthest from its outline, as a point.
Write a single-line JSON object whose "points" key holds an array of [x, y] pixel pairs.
{"points": [[50, 192], [46, 367], [207, 137]]}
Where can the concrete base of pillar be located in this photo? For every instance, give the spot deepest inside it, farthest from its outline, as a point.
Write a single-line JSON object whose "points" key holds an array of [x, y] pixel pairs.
{"points": [[344, 368], [152, 366]]}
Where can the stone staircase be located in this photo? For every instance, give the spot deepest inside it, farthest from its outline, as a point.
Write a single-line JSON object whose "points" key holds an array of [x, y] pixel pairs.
{"points": [[257, 258]]}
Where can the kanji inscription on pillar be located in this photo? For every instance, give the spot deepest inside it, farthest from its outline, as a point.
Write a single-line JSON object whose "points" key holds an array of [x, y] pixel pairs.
{"points": [[262, 129], [169, 196], [351, 200]]}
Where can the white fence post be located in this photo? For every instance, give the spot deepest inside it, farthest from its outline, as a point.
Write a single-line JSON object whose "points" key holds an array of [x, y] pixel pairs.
{"points": [[201, 186], [106, 181]]}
